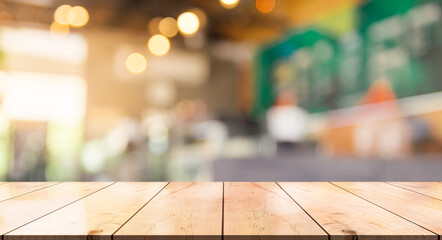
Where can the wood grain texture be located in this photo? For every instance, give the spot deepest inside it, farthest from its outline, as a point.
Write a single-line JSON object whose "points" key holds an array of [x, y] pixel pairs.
{"points": [[265, 211], [197, 211], [14, 189], [418, 208], [23, 209], [98, 215], [345, 216], [432, 189], [179, 211]]}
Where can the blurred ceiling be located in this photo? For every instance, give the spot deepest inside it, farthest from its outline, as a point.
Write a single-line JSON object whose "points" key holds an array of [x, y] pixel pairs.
{"points": [[244, 22]]}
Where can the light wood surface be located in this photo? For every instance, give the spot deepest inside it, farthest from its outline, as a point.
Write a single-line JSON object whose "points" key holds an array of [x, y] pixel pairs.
{"points": [[181, 210], [209, 211], [420, 209], [98, 215], [344, 215], [14, 189], [23, 209], [265, 211], [432, 189]]}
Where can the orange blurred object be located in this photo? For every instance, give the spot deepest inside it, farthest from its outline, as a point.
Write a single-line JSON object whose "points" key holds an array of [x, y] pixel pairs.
{"points": [[265, 6], [379, 91]]}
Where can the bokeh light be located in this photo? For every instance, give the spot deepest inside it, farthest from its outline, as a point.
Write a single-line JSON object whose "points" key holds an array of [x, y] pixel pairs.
{"points": [[61, 14], [229, 3], [136, 63], [168, 27], [78, 16], [158, 45], [188, 23], [265, 6], [153, 25], [202, 16], [59, 29]]}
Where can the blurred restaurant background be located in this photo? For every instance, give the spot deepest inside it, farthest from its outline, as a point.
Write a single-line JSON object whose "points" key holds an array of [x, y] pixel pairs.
{"points": [[220, 90]]}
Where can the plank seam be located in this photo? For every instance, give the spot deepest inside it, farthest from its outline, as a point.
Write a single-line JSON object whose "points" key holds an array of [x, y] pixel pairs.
{"points": [[437, 235], [30, 192], [57, 209], [392, 184], [148, 201], [222, 217], [328, 235]]}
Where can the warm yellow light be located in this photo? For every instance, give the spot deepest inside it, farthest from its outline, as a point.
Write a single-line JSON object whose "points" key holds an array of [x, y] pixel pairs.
{"points": [[136, 63], [158, 45], [153, 24], [31, 96], [61, 29], [168, 27], [188, 23], [265, 6], [61, 14], [78, 16], [202, 16], [229, 3]]}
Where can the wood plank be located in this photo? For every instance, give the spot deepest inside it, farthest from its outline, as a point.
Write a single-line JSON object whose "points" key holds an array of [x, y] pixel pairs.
{"points": [[98, 215], [418, 208], [14, 189], [344, 215], [432, 189], [179, 211], [264, 211], [23, 209]]}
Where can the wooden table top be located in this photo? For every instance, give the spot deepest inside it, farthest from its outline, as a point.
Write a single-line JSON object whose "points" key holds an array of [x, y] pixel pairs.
{"points": [[217, 210]]}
